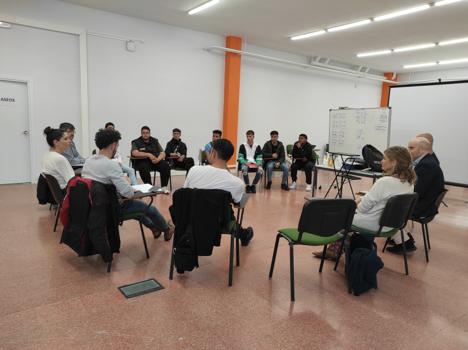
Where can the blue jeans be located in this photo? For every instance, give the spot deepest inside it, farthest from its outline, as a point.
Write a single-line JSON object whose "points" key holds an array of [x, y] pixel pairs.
{"points": [[152, 219], [130, 173], [245, 174], [269, 170]]}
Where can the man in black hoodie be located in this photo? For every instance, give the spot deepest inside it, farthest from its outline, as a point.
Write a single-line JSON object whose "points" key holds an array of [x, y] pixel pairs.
{"points": [[274, 156], [176, 152], [303, 158]]}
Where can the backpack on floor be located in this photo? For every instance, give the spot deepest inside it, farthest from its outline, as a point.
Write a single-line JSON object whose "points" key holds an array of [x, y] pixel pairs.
{"points": [[372, 157]]}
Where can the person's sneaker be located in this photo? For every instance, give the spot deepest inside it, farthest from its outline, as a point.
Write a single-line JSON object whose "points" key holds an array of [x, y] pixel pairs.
{"points": [[268, 185], [248, 235], [398, 248], [284, 187], [156, 232], [169, 232], [165, 190], [253, 189], [309, 188], [293, 186], [247, 189]]}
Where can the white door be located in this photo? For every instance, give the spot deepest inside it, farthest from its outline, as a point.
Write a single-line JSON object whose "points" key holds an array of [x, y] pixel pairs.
{"points": [[14, 133]]}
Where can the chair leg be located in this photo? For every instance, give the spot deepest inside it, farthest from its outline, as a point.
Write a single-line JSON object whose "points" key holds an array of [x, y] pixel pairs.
{"points": [[171, 269], [385, 245], [144, 240], [323, 258], [57, 216], [231, 260], [404, 252], [291, 270], [427, 237], [339, 254], [423, 227], [154, 178], [273, 258], [237, 252], [170, 181]]}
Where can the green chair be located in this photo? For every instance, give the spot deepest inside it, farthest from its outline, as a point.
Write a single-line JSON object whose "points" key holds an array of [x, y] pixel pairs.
{"points": [[322, 222], [202, 157], [394, 217]]}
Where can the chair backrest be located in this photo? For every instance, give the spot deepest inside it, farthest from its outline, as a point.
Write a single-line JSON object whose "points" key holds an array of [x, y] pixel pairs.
{"points": [[202, 157], [289, 149], [440, 198], [398, 210], [54, 187], [326, 217]]}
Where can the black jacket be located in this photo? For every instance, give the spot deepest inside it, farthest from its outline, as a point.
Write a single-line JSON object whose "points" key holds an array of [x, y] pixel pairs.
{"points": [[429, 184], [152, 146], [93, 226], [268, 151], [176, 146], [306, 151], [44, 196]]}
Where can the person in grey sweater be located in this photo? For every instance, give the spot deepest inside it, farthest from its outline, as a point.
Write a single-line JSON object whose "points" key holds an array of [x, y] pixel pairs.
{"points": [[102, 169], [71, 153]]}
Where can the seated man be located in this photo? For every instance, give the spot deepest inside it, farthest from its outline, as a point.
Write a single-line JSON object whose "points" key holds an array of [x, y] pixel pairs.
{"points": [[176, 152], [428, 136], [429, 185], [102, 169], [250, 160], [274, 156], [151, 156], [71, 153], [216, 136], [216, 176], [118, 158], [303, 158]]}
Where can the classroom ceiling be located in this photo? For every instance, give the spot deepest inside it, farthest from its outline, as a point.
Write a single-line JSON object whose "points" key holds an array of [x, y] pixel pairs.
{"points": [[270, 23]]}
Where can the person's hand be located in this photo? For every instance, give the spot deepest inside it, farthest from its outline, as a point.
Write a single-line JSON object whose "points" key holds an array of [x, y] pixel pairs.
{"points": [[181, 158], [155, 160], [275, 155], [260, 170], [277, 164]]}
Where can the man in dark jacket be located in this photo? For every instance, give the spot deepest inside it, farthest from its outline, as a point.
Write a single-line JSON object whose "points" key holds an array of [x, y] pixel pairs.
{"points": [[303, 158], [429, 185], [176, 152], [274, 156], [151, 157]]}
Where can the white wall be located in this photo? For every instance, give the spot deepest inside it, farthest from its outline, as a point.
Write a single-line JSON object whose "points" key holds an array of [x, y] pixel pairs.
{"points": [[456, 73]]}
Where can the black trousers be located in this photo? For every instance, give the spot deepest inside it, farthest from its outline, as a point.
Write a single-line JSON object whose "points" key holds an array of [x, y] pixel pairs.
{"points": [[307, 166], [186, 164], [145, 166]]}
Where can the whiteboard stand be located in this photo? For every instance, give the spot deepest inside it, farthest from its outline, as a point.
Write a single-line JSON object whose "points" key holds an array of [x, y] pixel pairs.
{"points": [[342, 174]]}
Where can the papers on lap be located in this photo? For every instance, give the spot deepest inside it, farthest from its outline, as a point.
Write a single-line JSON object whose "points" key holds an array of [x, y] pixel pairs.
{"points": [[252, 165], [147, 188]]}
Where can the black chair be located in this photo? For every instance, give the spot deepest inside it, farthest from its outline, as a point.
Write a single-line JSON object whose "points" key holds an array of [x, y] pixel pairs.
{"points": [[57, 194], [322, 222], [395, 215], [425, 220]]}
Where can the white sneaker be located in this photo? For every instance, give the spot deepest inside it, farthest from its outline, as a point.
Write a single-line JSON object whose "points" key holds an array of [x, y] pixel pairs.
{"points": [[293, 186], [165, 190], [309, 188]]}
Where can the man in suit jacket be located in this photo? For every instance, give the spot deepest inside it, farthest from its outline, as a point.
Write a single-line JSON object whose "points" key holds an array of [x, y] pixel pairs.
{"points": [[429, 184]]}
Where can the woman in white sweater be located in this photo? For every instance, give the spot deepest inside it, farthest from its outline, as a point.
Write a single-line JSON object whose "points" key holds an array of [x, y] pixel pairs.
{"points": [[53, 162], [399, 178]]}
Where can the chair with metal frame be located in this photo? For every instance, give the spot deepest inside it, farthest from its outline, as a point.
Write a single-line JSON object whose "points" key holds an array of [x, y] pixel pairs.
{"points": [[322, 222], [57, 194], [395, 216]]}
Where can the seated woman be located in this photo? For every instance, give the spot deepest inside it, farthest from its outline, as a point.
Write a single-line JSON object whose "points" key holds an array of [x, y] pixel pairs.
{"points": [[399, 178], [53, 162]]}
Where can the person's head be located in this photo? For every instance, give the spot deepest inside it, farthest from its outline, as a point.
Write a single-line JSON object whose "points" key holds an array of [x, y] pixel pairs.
{"points": [[397, 162], [107, 141], [58, 139], [274, 136], [216, 135], [250, 136], [145, 133], [221, 151], [109, 125], [302, 139], [418, 147], [428, 136], [69, 128], [176, 133]]}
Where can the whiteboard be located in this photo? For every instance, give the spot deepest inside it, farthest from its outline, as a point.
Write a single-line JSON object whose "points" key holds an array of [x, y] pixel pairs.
{"points": [[440, 109], [353, 128]]}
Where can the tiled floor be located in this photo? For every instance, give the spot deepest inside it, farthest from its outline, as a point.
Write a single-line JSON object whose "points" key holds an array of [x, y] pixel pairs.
{"points": [[51, 299]]}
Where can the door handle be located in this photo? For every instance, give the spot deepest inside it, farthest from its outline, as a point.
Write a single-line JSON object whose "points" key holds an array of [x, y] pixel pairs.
{"points": [[26, 132]]}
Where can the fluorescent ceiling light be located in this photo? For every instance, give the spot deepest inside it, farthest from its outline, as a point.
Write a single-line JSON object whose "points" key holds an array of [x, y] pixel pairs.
{"points": [[308, 35], [203, 7], [374, 53], [402, 12], [414, 48], [445, 2], [454, 41], [460, 60], [350, 25], [419, 65]]}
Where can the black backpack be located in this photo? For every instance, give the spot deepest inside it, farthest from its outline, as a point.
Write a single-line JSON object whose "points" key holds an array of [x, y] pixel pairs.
{"points": [[372, 157], [362, 265]]}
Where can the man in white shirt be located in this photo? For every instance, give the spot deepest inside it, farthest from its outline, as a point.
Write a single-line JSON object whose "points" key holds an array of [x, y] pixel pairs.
{"points": [[217, 176]]}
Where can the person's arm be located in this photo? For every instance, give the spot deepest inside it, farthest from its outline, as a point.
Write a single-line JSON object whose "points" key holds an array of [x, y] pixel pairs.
{"points": [[425, 178], [241, 158], [258, 156], [117, 178], [267, 151], [162, 154], [372, 198], [208, 148], [168, 149], [296, 152], [65, 169], [182, 149], [309, 152], [139, 154], [281, 153]]}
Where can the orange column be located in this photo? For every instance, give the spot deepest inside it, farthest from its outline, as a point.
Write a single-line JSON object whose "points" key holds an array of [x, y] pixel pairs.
{"points": [[386, 90], [232, 67]]}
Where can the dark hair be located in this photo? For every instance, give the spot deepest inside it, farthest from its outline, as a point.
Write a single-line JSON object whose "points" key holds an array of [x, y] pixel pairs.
{"points": [[217, 132], [274, 132], [66, 126], [109, 124], [106, 137], [176, 130], [250, 132], [224, 149], [403, 167], [145, 128], [303, 135], [52, 135]]}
